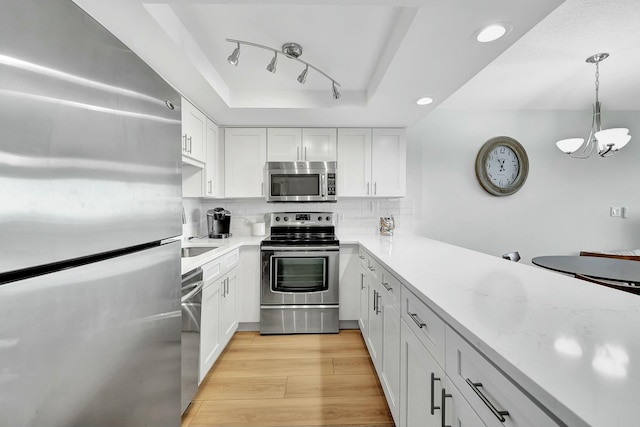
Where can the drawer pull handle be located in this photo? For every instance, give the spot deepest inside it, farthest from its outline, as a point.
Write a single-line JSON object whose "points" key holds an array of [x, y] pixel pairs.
{"points": [[416, 319], [360, 256], [444, 396], [387, 287], [500, 415], [433, 393]]}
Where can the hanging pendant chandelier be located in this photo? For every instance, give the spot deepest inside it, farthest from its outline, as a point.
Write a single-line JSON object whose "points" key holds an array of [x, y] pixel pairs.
{"points": [[289, 50], [605, 142]]}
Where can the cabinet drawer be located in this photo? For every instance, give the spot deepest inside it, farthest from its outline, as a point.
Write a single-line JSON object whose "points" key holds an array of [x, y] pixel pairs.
{"points": [[231, 259], [392, 287], [212, 270], [219, 266], [428, 327], [491, 394]]}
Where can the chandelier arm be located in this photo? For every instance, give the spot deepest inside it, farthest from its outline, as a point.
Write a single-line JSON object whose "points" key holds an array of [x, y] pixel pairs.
{"points": [[608, 152], [287, 56]]}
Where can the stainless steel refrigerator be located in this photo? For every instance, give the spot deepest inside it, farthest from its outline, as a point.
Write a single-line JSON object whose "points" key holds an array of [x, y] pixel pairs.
{"points": [[89, 198]]}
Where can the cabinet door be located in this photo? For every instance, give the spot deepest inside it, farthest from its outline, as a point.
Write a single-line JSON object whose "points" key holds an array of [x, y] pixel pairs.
{"points": [[354, 162], [245, 155], [319, 144], [389, 162], [375, 325], [229, 310], [193, 132], [458, 412], [284, 144], [363, 319], [390, 354], [421, 383], [213, 176], [210, 344]]}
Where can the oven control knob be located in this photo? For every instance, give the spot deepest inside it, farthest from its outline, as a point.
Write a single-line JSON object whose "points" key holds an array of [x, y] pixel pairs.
{"points": [[277, 218], [286, 218], [319, 218], [328, 218]]}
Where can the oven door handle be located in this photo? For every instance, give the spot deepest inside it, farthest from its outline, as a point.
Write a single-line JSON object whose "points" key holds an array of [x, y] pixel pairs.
{"points": [[300, 248]]}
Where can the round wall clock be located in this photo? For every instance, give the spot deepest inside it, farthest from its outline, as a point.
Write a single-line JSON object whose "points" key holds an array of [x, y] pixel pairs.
{"points": [[502, 166]]}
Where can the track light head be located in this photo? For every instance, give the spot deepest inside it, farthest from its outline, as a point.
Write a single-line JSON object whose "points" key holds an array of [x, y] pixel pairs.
{"points": [[336, 94], [272, 65], [302, 78], [233, 58]]}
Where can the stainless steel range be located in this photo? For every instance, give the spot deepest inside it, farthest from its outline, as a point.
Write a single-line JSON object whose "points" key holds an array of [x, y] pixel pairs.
{"points": [[300, 272]]}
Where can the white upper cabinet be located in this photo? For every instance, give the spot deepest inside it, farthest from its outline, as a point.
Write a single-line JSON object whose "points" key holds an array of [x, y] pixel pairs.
{"points": [[284, 144], [214, 166], [245, 156], [371, 162], [354, 162], [319, 144], [306, 144], [388, 162], [194, 125]]}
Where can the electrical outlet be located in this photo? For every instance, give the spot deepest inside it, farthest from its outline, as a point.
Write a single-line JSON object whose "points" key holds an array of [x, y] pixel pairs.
{"points": [[340, 217], [615, 211]]}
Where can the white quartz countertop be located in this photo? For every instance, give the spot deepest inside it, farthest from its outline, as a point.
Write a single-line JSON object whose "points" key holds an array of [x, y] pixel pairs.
{"points": [[222, 246], [573, 345]]}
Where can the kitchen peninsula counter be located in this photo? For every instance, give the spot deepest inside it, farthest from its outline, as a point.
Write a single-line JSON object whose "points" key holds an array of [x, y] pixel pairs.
{"points": [[573, 346]]}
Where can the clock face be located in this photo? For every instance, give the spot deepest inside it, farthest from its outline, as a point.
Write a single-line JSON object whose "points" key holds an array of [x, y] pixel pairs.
{"points": [[502, 166]]}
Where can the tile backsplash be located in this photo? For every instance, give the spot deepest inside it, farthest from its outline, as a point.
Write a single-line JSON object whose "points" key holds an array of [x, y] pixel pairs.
{"points": [[360, 216]]}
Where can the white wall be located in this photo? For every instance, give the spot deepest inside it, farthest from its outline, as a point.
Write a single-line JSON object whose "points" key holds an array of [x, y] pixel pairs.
{"points": [[561, 209]]}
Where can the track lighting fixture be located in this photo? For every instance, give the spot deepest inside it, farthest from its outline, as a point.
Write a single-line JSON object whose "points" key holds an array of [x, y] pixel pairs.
{"points": [[233, 58], [291, 51], [272, 65], [302, 78], [336, 94]]}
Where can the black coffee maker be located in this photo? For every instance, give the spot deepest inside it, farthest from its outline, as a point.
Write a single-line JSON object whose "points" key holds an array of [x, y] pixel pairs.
{"points": [[218, 223]]}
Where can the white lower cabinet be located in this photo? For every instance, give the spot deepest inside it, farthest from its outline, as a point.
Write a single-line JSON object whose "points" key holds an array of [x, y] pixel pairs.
{"points": [[490, 393], [229, 306], [210, 346], [390, 373], [457, 410], [379, 321], [421, 383], [363, 319], [219, 314]]}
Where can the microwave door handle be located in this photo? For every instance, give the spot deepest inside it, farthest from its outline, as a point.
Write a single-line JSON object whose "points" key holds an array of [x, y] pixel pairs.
{"points": [[322, 186]]}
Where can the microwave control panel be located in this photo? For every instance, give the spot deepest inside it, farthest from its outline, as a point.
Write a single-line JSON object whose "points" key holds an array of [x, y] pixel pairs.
{"points": [[331, 184]]}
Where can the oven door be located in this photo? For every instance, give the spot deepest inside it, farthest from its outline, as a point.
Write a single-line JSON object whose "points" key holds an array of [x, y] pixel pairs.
{"points": [[299, 275]]}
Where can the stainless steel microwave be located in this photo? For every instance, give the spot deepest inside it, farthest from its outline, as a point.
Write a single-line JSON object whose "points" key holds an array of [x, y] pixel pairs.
{"points": [[300, 181]]}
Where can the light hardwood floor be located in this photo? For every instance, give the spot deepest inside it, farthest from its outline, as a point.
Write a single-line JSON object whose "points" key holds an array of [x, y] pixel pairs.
{"points": [[291, 380]]}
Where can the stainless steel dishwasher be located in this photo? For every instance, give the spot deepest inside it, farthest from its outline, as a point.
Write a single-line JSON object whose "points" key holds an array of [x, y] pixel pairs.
{"points": [[191, 309]]}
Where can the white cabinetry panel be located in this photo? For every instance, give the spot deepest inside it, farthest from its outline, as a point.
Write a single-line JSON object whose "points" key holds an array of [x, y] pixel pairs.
{"points": [[319, 144], [284, 144], [354, 162], [193, 134], [389, 162], [245, 156]]}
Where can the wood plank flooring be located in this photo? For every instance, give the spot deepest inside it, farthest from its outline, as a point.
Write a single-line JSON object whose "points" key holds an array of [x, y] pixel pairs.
{"points": [[291, 380]]}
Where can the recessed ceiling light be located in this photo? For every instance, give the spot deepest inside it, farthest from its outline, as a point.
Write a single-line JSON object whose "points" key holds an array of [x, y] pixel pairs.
{"points": [[424, 101], [491, 33]]}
